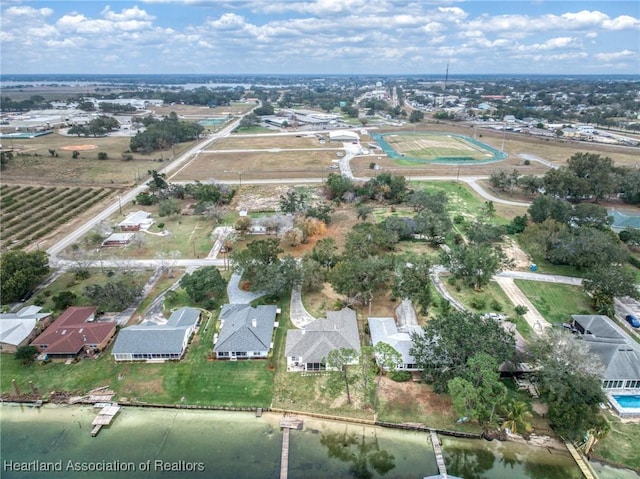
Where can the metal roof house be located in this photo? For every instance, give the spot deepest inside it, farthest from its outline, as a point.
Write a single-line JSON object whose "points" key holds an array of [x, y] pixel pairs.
{"points": [[385, 330], [619, 353], [306, 349], [138, 220], [159, 342], [17, 329], [245, 332]]}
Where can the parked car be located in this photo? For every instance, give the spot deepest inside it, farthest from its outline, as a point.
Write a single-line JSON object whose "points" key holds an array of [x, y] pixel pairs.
{"points": [[632, 320]]}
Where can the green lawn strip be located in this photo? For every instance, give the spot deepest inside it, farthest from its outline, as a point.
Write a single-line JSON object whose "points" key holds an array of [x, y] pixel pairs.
{"points": [[556, 302], [491, 295], [621, 444]]}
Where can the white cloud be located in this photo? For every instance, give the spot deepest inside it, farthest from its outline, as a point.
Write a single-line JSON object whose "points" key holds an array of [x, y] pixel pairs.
{"points": [[126, 14], [615, 56], [24, 11]]}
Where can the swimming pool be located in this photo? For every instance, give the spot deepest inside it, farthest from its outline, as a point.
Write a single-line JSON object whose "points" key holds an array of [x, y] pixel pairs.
{"points": [[626, 405], [628, 401]]}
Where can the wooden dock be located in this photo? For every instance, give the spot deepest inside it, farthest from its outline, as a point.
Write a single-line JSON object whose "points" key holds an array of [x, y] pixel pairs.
{"points": [[584, 467], [284, 458], [287, 423], [435, 442], [104, 418], [442, 468]]}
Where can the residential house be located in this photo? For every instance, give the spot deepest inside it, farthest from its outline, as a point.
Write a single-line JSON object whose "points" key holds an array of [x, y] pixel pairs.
{"points": [[307, 349], [398, 333], [151, 341], [18, 329], [75, 331], [385, 330], [138, 220], [245, 332], [118, 239], [619, 353]]}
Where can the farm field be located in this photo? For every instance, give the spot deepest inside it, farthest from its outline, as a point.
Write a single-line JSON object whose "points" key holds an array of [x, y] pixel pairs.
{"points": [[31, 213], [33, 163], [270, 140], [257, 165]]}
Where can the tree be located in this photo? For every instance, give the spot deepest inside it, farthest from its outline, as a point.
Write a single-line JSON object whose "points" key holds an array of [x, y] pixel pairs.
{"points": [[596, 171], [313, 275], [420, 200], [478, 392], [368, 239], [388, 359], [168, 207], [449, 340], [476, 264], [340, 359], [64, 299], [546, 207], [294, 201], [325, 252], [416, 116], [363, 211], [606, 282], [6, 157], [359, 278], [26, 354], [113, 296], [20, 273], [413, 280], [205, 287], [588, 248], [337, 186], [569, 379], [433, 225], [518, 417]]}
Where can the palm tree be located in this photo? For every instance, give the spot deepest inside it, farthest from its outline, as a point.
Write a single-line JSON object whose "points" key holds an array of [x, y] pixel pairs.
{"points": [[518, 417]]}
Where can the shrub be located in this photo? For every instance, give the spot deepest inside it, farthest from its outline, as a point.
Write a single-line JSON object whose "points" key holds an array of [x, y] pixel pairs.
{"points": [[400, 376], [496, 305], [451, 280], [527, 162], [634, 261], [521, 310], [478, 302], [160, 225], [102, 155]]}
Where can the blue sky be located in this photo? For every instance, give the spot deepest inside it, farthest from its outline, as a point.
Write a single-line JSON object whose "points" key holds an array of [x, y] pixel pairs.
{"points": [[321, 36]]}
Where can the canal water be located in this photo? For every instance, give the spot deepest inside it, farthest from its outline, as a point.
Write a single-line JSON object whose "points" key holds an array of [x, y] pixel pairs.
{"points": [[55, 442]]}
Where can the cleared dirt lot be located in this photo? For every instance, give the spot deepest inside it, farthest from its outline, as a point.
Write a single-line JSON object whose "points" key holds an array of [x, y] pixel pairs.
{"points": [[258, 165], [272, 140]]}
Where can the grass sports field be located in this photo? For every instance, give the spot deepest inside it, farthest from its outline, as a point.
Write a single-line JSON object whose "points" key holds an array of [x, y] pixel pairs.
{"points": [[428, 147]]}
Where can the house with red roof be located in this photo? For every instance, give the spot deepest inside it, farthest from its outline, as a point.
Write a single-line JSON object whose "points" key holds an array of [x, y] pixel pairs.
{"points": [[74, 332]]}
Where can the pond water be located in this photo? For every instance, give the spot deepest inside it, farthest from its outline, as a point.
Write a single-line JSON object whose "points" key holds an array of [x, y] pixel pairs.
{"points": [[167, 443]]}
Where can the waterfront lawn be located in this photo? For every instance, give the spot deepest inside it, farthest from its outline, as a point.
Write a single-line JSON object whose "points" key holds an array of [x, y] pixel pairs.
{"points": [[194, 380], [621, 444], [556, 302]]}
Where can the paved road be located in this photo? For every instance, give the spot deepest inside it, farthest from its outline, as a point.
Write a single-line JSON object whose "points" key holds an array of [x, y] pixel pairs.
{"points": [[180, 162], [237, 295]]}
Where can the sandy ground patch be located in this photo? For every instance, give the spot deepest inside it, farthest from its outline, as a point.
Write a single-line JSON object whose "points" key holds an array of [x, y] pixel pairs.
{"points": [[414, 393], [79, 147], [513, 251]]}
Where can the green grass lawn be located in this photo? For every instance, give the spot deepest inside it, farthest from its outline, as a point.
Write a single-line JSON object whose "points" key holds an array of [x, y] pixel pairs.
{"points": [[194, 380], [556, 302], [621, 445], [68, 282]]}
